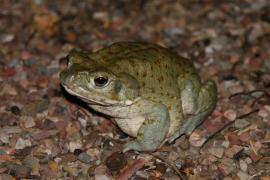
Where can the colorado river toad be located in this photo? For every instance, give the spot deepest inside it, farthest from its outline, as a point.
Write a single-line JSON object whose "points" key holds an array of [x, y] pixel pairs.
{"points": [[152, 94]]}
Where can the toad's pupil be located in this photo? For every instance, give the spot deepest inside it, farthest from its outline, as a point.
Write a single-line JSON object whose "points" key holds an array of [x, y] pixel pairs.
{"points": [[100, 81]]}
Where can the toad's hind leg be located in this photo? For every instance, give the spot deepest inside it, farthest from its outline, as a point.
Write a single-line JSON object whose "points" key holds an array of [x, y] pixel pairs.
{"points": [[201, 106], [153, 131]]}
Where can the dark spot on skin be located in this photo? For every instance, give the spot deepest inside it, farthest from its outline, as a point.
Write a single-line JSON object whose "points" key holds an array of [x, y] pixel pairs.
{"points": [[160, 78], [143, 83], [118, 87], [140, 135], [144, 74]]}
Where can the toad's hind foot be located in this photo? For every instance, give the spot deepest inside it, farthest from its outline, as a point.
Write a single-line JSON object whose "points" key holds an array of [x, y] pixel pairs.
{"points": [[206, 103]]}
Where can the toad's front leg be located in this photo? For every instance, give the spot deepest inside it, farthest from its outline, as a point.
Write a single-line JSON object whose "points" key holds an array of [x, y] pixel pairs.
{"points": [[152, 132]]}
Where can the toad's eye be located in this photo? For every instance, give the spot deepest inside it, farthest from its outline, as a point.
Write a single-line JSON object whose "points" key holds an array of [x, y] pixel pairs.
{"points": [[101, 81]]}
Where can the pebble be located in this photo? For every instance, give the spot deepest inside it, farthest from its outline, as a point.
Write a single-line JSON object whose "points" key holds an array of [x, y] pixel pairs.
{"points": [[248, 160], [19, 171], [116, 161], [227, 166], [22, 143], [32, 163], [75, 145], [9, 90], [230, 114], [28, 121], [53, 166], [263, 113], [243, 165], [101, 173], [241, 123], [15, 110], [93, 153], [13, 63], [84, 157], [216, 151], [242, 175], [196, 139], [4, 137], [267, 107], [233, 150], [6, 38], [6, 177], [2, 152], [173, 156]]}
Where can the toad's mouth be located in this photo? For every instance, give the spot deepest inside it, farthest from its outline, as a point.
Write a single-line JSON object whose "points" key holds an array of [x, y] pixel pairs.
{"points": [[91, 100]]}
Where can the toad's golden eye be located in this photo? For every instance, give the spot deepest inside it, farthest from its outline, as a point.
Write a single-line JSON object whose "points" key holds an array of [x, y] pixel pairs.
{"points": [[101, 81]]}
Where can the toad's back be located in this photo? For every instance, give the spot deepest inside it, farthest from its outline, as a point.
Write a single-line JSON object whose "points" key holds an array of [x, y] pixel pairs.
{"points": [[155, 68]]}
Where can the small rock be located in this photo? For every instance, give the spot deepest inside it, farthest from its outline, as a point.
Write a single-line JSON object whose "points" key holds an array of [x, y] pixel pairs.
{"points": [[13, 63], [101, 15], [53, 166], [227, 178], [217, 151], [243, 165], [15, 110], [75, 145], [116, 161], [233, 150], [9, 90], [68, 158], [248, 160], [45, 134], [255, 33], [71, 170], [230, 114], [19, 171], [4, 137], [255, 157], [11, 129], [242, 175], [93, 153], [267, 108], [85, 158], [6, 177], [236, 89], [32, 163], [172, 156], [184, 144], [6, 38], [101, 173], [2, 152], [179, 163], [227, 166], [244, 137], [208, 160], [142, 175], [225, 144], [77, 152], [22, 143], [241, 123], [28, 121], [196, 139], [161, 168], [263, 113]]}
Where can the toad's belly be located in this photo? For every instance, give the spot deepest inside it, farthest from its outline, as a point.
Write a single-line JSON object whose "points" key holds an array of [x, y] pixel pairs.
{"points": [[130, 126]]}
